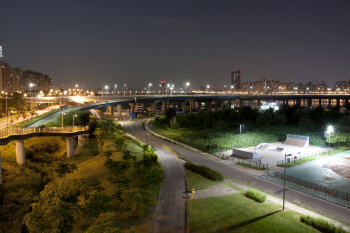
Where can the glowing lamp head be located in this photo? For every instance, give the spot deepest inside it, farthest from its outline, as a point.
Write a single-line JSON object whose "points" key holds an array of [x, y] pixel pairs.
{"points": [[330, 129]]}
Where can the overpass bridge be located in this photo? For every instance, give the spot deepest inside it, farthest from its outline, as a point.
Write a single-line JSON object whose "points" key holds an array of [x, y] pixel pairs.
{"points": [[24, 133], [307, 100]]}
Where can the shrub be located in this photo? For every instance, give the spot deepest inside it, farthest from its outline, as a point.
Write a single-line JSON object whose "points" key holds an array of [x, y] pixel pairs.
{"points": [[257, 196], [205, 172], [321, 225]]}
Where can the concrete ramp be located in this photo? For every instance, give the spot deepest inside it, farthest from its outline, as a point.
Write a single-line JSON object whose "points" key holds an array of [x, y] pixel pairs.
{"points": [[296, 140], [246, 154]]}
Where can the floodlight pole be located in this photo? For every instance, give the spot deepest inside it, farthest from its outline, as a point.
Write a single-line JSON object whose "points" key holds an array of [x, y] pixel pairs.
{"points": [[284, 183], [240, 133]]}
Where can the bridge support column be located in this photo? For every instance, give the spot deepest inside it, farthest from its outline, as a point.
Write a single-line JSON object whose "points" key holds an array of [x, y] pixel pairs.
{"points": [[154, 107], [164, 106], [222, 104], [299, 101], [184, 107], [20, 156], [0, 168], [119, 110], [191, 106], [199, 105], [80, 139], [144, 105], [111, 110], [132, 108], [102, 113], [309, 103], [338, 103], [70, 147], [319, 102], [210, 106]]}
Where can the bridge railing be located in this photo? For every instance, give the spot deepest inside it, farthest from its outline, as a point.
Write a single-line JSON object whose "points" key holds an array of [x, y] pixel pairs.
{"points": [[4, 133]]}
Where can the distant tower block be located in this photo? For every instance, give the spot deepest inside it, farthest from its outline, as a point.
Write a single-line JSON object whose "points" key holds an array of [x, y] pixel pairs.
{"points": [[162, 83], [236, 80], [1, 56]]}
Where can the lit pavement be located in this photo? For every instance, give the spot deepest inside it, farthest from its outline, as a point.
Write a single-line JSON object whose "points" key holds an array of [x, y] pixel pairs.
{"points": [[172, 215], [292, 196]]}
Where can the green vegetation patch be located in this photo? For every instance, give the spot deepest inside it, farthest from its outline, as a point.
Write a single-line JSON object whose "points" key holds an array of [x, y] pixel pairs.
{"points": [[198, 182], [205, 171], [255, 195], [321, 225], [236, 213]]}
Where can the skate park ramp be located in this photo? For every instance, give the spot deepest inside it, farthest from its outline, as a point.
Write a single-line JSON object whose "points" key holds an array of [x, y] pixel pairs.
{"points": [[268, 146], [297, 140]]}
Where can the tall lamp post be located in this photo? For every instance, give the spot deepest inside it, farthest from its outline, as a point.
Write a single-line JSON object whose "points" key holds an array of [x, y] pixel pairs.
{"points": [[76, 85], [31, 101], [6, 110], [329, 131], [73, 118], [149, 86], [284, 184], [62, 118], [115, 87], [126, 88], [187, 85]]}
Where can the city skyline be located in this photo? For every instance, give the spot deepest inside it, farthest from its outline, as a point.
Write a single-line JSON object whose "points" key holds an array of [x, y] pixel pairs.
{"points": [[201, 42]]}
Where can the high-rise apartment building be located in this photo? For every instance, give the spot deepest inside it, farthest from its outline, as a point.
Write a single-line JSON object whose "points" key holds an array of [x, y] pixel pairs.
{"points": [[236, 80]]}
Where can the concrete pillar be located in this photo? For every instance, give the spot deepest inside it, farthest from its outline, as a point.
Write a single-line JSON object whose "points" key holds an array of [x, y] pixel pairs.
{"points": [[119, 110], [184, 107], [330, 103], [132, 108], [309, 103], [319, 102], [222, 104], [20, 156], [111, 110], [154, 107], [70, 147], [144, 105], [298, 102], [338, 102], [0, 168], [199, 105], [102, 113], [164, 106], [259, 103], [210, 106], [233, 104], [191, 106], [80, 139], [240, 102]]}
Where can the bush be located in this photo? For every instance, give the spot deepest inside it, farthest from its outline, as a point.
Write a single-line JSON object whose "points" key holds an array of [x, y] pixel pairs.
{"points": [[321, 225], [205, 172], [257, 196]]}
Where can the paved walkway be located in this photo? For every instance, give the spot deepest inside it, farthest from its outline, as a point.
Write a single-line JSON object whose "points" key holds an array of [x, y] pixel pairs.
{"points": [[214, 191]]}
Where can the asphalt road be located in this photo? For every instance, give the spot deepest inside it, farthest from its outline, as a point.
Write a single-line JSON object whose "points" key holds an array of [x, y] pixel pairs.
{"points": [[51, 117], [172, 215], [292, 196]]}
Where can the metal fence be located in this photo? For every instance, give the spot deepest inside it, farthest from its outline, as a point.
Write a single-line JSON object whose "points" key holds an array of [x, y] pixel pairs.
{"points": [[4, 133], [315, 187], [295, 158], [256, 164]]}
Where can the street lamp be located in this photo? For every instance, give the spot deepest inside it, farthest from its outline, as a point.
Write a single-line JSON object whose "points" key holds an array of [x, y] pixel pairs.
{"points": [[31, 101], [329, 131], [284, 185], [187, 85], [115, 87], [208, 87], [73, 118], [62, 119], [76, 85], [126, 88], [149, 86], [6, 110]]}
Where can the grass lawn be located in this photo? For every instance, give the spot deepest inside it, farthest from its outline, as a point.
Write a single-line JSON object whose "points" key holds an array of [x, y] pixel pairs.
{"points": [[237, 213]]}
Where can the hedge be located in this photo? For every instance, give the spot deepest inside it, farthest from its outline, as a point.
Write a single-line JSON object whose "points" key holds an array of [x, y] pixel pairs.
{"points": [[321, 225], [204, 171], [255, 195]]}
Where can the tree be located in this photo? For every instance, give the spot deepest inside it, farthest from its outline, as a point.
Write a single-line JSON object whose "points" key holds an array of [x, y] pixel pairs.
{"points": [[63, 168], [54, 210], [150, 176], [264, 119], [169, 113], [96, 204], [136, 199], [279, 119], [98, 134], [104, 223]]}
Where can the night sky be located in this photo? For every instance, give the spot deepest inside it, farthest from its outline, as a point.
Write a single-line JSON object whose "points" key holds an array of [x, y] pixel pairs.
{"points": [[99, 43]]}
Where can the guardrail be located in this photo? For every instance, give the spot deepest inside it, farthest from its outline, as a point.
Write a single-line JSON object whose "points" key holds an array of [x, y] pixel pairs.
{"points": [[5, 133], [295, 158]]}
